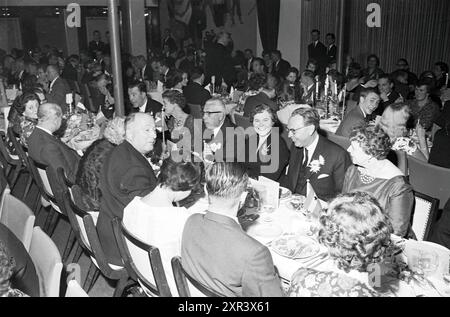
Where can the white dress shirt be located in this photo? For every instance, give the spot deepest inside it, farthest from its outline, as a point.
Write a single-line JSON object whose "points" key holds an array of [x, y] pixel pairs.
{"points": [[142, 108], [312, 148]]}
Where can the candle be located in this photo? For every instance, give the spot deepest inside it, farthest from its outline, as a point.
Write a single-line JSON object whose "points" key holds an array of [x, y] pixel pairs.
{"points": [[446, 80], [213, 82], [343, 101], [335, 92], [317, 88], [327, 84]]}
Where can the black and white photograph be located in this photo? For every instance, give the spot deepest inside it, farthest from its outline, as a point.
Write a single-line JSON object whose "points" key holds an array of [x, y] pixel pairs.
{"points": [[252, 150]]}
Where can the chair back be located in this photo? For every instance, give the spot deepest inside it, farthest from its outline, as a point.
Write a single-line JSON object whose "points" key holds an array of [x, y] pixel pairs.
{"points": [[430, 180], [18, 147], [399, 159], [48, 263], [195, 111], [75, 290], [424, 216], [6, 157], [83, 224], [18, 217], [187, 285], [156, 284], [242, 121], [4, 189], [74, 213], [40, 176], [342, 141]]}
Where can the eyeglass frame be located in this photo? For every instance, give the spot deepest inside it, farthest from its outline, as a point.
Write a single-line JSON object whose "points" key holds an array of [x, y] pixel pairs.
{"points": [[294, 131], [209, 113]]}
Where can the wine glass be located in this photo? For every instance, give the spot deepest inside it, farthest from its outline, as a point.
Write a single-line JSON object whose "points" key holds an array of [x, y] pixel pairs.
{"points": [[424, 262]]}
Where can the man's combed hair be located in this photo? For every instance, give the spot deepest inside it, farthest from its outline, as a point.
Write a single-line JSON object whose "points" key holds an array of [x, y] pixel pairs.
{"points": [[226, 180], [311, 116]]}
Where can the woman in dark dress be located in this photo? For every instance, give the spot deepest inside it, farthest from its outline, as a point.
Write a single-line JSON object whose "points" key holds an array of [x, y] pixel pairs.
{"points": [[86, 192], [376, 175], [266, 153]]}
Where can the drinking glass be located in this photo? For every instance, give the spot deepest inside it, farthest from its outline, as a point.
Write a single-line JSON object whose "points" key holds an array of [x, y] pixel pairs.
{"points": [[424, 262]]}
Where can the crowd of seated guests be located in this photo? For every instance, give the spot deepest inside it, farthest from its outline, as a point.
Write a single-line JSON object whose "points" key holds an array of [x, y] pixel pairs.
{"points": [[390, 112]]}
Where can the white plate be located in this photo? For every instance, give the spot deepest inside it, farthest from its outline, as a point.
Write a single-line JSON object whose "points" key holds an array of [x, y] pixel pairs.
{"points": [[295, 247], [265, 231]]}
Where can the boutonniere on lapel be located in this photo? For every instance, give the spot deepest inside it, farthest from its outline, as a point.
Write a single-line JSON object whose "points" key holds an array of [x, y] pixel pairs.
{"points": [[215, 147], [265, 149], [316, 165]]}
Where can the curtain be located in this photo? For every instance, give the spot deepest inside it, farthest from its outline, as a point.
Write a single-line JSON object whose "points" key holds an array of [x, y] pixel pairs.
{"points": [[268, 21], [418, 30]]}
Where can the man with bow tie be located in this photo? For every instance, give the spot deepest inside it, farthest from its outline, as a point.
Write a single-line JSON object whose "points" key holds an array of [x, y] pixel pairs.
{"points": [[314, 158]]}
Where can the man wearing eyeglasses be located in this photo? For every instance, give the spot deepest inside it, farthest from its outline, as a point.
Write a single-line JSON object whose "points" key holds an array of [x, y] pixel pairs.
{"points": [[314, 158], [215, 134]]}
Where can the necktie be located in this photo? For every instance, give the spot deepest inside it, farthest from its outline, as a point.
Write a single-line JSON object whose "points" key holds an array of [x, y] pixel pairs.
{"points": [[305, 158]]}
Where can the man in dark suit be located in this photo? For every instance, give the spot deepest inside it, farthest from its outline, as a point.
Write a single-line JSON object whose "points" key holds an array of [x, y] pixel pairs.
{"points": [[388, 95], [126, 173], [215, 250], [280, 66], [331, 48], [194, 92], [359, 116], [218, 131], [169, 40], [140, 102], [46, 149], [318, 51], [58, 88], [96, 44], [314, 158], [219, 62], [70, 71], [263, 98], [248, 59]]}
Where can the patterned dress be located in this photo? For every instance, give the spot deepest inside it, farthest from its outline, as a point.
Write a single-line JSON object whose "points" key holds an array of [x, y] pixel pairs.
{"points": [[312, 283]]}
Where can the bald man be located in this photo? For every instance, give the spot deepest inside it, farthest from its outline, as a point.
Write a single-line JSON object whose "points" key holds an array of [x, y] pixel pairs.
{"points": [[126, 173], [46, 149], [58, 88]]}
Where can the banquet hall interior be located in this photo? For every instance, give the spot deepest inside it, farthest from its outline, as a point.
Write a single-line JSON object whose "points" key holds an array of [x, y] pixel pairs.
{"points": [[224, 148]]}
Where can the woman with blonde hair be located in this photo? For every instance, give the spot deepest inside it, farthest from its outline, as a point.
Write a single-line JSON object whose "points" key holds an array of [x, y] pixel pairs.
{"points": [[357, 234]]}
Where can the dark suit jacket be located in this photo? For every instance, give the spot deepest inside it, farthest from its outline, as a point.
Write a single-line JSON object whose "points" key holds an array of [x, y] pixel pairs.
{"points": [[48, 150], [218, 253], [94, 46], [220, 64], [332, 54], [223, 154], [281, 69], [70, 73], [58, 93], [24, 276], [153, 107], [319, 53], [126, 173], [260, 99], [196, 94], [337, 160], [277, 154], [392, 98], [353, 119], [148, 73]]}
